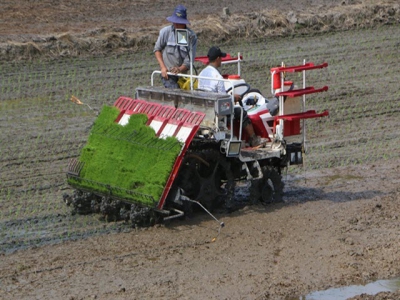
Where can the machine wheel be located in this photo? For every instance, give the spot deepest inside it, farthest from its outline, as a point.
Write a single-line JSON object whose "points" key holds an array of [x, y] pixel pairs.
{"points": [[80, 202], [269, 189], [110, 209], [205, 177], [141, 216]]}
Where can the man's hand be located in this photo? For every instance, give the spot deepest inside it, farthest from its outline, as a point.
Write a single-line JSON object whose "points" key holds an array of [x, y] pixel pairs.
{"points": [[174, 70], [164, 73], [177, 70], [237, 98], [163, 68]]}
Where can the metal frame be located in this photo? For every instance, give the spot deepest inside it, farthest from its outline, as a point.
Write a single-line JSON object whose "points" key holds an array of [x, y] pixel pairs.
{"points": [[203, 77]]}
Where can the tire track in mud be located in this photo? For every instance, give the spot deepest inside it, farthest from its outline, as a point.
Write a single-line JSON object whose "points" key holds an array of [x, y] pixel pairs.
{"points": [[123, 254], [44, 132]]}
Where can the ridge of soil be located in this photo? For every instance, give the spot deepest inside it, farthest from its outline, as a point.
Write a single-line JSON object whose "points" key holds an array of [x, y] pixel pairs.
{"points": [[41, 29]]}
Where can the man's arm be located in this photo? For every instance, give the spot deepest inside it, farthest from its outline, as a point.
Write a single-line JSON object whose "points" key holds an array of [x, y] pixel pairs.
{"points": [[160, 45], [160, 60]]}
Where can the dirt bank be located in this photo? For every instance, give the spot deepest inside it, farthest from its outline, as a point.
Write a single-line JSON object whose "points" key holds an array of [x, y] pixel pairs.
{"points": [[78, 28]]}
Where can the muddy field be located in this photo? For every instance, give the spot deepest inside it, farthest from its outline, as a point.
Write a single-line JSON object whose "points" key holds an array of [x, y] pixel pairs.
{"points": [[339, 224]]}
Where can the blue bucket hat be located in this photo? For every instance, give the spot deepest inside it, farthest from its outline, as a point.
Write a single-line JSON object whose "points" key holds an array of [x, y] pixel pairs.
{"points": [[179, 15]]}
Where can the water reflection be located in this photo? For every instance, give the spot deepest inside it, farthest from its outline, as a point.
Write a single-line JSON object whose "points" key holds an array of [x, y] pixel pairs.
{"points": [[372, 288]]}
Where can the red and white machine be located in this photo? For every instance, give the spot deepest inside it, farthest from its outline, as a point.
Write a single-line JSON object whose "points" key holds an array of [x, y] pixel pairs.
{"points": [[215, 153]]}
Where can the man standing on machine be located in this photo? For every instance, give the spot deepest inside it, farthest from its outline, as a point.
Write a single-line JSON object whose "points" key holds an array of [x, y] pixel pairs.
{"points": [[172, 57]]}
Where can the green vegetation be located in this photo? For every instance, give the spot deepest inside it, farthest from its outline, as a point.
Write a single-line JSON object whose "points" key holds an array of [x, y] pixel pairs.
{"points": [[128, 161]]}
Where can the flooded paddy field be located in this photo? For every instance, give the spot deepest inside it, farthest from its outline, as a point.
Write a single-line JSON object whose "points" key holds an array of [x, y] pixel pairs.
{"points": [[338, 226]]}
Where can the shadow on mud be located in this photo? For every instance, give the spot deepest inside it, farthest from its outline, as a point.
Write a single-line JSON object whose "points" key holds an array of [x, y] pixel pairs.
{"points": [[19, 234], [292, 195], [304, 194]]}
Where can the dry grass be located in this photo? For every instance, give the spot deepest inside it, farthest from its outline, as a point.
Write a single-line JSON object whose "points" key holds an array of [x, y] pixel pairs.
{"points": [[212, 29], [27, 50]]}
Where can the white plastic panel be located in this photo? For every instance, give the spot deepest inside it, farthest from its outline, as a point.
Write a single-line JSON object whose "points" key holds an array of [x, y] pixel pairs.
{"points": [[156, 125], [124, 120], [183, 134]]}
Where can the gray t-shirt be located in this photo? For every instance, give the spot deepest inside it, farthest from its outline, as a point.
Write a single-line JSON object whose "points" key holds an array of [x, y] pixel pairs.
{"points": [[173, 54]]}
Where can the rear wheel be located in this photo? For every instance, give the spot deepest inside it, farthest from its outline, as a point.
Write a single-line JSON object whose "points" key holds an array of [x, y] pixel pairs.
{"points": [[268, 189], [205, 177]]}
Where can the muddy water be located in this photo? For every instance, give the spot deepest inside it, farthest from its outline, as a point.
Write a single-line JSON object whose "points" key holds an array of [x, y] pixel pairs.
{"points": [[372, 288], [36, 149]]}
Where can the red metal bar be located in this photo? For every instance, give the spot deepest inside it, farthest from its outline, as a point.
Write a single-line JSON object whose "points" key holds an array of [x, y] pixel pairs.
{"points": [[180, 115], [305, 67], [304, 115], [300, 92], [136, 106], [152, 109], [204, 59], [177, 119], [122, 101], [195, 118], [162, 116], [292, 118]]}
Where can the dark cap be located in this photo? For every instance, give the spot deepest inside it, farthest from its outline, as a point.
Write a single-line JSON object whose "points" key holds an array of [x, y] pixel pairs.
{"points": [[215, 52], [179, 15]]}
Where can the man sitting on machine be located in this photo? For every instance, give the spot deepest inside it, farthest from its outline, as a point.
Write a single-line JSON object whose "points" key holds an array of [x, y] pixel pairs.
{"points": [[214, 84]]}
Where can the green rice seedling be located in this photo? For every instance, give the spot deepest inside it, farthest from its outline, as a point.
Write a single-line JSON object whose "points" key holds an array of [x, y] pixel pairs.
{"points": [[18, 211], [129, 157], [8, 194]]}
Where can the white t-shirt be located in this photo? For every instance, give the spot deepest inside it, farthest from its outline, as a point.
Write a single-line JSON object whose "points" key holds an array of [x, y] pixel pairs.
{"points": [[209, 84]]}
